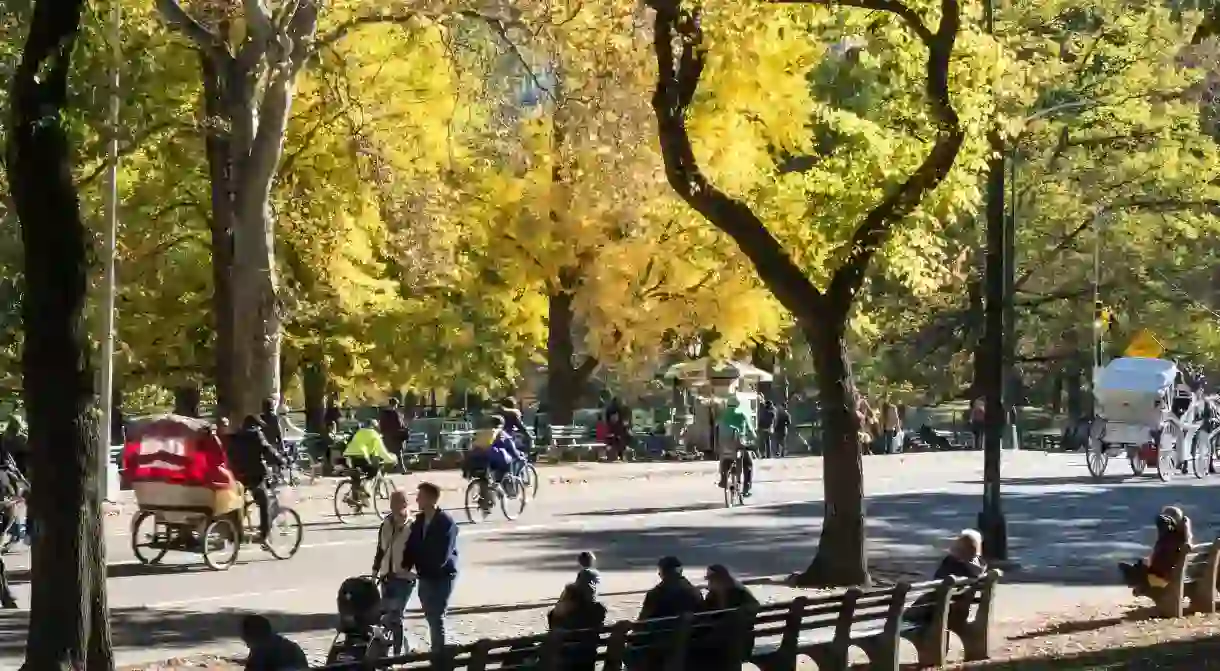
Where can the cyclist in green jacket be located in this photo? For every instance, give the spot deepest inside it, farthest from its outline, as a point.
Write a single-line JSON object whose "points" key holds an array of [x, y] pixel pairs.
{"points": [[365, 455], [733, 436]]}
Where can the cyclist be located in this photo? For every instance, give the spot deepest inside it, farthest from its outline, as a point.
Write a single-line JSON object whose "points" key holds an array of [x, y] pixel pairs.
{"points": [[250, 455], [733, 436], [503, 457], [513, 424], [365, 454]]}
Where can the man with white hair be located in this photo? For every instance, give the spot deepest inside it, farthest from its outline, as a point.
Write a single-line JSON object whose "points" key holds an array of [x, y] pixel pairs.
{"points": [[965, 558]]}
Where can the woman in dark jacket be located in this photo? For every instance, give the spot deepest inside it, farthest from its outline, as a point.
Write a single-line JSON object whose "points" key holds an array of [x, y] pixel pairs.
{"points": [[578, 611], [1173, 540]]}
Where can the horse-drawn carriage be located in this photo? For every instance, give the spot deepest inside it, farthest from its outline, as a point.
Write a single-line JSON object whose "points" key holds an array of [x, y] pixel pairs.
{"points": [[188, 498], [1147, 410]]}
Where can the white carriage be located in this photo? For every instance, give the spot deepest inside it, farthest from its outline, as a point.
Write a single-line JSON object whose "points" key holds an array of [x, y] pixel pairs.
{"points": [[1145, 410]]}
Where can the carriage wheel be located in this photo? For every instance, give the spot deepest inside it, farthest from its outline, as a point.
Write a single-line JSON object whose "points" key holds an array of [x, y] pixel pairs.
{"points": [[221, 544], [1201, 453], [1097, 460], [1135, 457], [1166, 463], [149, 546]]}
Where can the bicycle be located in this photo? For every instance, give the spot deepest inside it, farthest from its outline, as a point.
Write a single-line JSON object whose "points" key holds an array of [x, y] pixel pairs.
{"points": [[529, 477], [482, 494], [376, 490], [299, 462], [734, 492]]}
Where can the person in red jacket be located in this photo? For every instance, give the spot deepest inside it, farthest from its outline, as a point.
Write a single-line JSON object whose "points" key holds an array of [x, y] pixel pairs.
{"points": [[1173, 540]]}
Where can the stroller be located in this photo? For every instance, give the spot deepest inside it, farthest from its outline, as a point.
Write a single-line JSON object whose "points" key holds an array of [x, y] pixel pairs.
{"points": [[360, 635]]}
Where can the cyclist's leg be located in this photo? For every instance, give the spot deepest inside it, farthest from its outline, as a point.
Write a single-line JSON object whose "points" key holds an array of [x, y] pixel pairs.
{"points": [[725, 465], [747, 471], [259, 494]]}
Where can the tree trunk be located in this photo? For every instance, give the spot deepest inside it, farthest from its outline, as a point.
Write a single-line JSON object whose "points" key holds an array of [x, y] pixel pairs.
{"points": [[565, 381], [68, 628], [841, 559], [216, 87], [186, 400], [313, 384]]}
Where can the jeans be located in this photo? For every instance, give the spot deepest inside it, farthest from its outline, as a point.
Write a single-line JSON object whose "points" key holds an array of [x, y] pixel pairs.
{"points": [[394, 597], [766, 444], [434, 596], [258, 492], [747, 471], [6, 595]]}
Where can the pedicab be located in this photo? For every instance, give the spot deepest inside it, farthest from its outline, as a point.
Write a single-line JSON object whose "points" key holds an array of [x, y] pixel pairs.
{"points": [[188, 499], [1147, 411]]}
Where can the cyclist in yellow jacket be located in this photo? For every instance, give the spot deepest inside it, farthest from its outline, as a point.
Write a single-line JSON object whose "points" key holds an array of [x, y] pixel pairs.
{"points": [[365, 455]]}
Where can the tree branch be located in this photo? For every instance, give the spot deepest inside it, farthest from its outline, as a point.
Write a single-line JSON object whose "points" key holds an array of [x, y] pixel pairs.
{"points": [[875, 229], [902, 11], [177, 18], [677, 44]]}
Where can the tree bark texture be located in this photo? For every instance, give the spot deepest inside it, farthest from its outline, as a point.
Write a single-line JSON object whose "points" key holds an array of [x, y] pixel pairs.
{"points": [[565, 380], [68, 614], [823, 315], [251, 94]]}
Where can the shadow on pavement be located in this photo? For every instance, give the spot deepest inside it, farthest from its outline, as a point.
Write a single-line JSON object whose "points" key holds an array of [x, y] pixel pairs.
{"points": [[1182, 655], [1070, 537], [645, 511], [166, 628]]}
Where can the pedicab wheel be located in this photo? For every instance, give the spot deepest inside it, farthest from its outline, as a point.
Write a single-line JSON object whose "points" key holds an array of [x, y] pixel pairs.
{"points": [[1166, 464], [529, 476], [1097, 460], [216, 539], [346, 507], [512, 497], [472, 500], [1201, 461], [142, 542], [381, 497], [286, 533]]}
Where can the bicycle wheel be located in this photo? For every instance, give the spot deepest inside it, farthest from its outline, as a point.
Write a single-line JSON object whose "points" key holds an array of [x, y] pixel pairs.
{"points": [[529, 477], [286, 532], [474, 513], [512, 497], [739, 490], [381, 496], [728, 491], [346, 505], [148, 547], [217, 538]]}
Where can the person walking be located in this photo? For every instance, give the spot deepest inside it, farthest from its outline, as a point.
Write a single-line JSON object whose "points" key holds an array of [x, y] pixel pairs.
{"points": [[397, 582], [431, 554], [766, 429], [783, 422], [891, 426], [393, 426]]}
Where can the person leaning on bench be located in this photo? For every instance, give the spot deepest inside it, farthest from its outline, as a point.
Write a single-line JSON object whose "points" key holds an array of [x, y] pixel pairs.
{"points": [[1172, 544]]}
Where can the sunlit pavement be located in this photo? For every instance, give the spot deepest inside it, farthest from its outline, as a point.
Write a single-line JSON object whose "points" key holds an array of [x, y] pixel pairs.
{"points": [[1065, 531]]}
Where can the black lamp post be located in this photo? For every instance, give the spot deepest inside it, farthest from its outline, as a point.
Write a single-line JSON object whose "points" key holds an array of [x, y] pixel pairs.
{"points": [[998, 286]]}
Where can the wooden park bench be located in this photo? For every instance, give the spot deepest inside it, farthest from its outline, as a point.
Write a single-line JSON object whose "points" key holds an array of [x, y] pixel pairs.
{"points": [[1193, 582], [570, 442], [875, 621], [772, 637]]}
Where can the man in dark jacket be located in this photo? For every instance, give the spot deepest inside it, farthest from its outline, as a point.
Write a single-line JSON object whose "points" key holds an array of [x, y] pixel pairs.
{"points": [[783, 422], [392, 426], [272, 428], [431, 554], [249, 455], [714, 648], [766, 429], [268, 650], [514, 425], [673, 596]]}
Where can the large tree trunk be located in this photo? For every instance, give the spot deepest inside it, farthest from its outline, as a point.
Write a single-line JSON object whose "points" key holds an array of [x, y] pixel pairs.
{"points": [[841, 558], [565, 381], [220, 171], [68, 615]]}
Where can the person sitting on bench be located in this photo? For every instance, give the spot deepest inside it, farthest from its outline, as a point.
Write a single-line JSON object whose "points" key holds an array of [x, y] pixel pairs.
{"points": [[1173, 539]]}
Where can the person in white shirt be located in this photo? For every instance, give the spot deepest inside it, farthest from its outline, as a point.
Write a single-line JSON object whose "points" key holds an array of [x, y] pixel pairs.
{"points": [[397, 583]]}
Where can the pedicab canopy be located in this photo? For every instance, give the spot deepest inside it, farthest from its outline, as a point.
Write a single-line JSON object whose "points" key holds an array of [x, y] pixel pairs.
{"points": [[175, 450]]}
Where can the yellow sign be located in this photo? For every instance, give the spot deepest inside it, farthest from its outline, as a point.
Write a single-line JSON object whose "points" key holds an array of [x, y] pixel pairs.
{"points": [[1145, 345]]}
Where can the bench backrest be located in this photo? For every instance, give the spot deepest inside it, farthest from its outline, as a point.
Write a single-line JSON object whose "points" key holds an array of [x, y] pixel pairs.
{"points": [[417, 441], [569, 432], [667, 642]]}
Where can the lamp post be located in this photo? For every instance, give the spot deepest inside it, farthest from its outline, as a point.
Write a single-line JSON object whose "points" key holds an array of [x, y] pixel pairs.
{"points": [[110, 282], [992, 523]]}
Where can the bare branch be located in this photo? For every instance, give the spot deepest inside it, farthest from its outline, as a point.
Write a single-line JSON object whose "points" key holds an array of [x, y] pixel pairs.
{"points": [[902, 11], [177, 18]]}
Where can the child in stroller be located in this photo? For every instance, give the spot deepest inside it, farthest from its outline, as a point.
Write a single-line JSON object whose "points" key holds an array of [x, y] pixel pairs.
{"points": [[360, 635]]}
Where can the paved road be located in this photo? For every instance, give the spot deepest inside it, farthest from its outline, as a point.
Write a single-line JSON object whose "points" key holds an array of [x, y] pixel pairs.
{"points": [[1065, 530]]}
